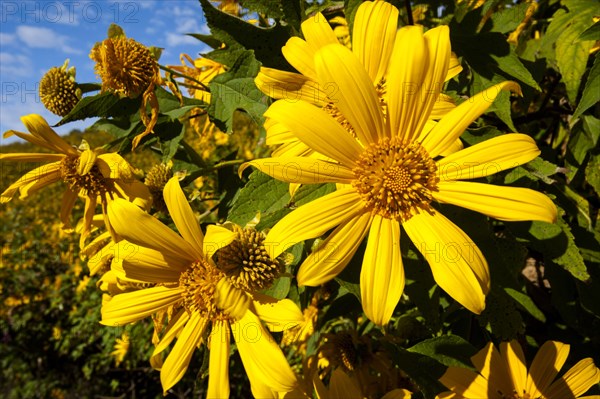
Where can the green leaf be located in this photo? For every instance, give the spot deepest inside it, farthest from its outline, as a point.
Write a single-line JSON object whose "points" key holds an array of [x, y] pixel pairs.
{"points": [[591, 92], [512, 65], [449, 350], [350, 8], [170, 105], [526, 303], [235, 89], [591, 33], [239, 35], [103, 105], [592, 173], [280, 288], [262, 195], [507, 19], [538, 169], [272, 8], [585, 136]]}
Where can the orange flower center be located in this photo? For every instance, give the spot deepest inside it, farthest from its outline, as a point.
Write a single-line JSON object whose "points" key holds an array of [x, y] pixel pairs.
{"points": [[200, 295], [396, 179], [90, 184]]}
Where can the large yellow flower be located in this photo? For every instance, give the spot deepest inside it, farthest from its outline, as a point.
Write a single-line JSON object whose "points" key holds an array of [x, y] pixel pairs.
{"points": [[374, 34], [388, 171], [504, 375], [205, 300], [90, 174]]}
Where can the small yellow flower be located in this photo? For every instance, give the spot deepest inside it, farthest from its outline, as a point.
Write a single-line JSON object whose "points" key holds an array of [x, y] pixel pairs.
{"points": [[198, 296], [503, 374], [58, 91], [121, 348]]}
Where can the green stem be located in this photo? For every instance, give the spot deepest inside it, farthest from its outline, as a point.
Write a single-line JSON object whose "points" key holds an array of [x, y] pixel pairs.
{"points": [[174, 72], [411, 20]]}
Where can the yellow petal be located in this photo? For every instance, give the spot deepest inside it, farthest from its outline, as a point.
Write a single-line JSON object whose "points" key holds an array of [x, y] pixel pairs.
{"points": [[289, 86], [87, 159], [313, 220], [490, 364], [183, 216], [407, 71], [332, 256], [233, 301], [31, 157], [302, 170], [300, 55], [454, 68], [33, 140], [217, 237], [132, 306], [437, 45], [375, 25], [515, 362], [50, 170], [545, 366], [218, 366], [488, 157], [67, 204], [279, 315], [114, 166], [398, 394], [262, 358], [576, 381], [382, 273], [176, 324], [317, 130], [353, 92], [41, 130], [317, 32], [177, 362], [464, 382], [143, 229], [451, 126], [456, 146], [145, 264], [499, 202], [134, 191], [38, 184], [442, 106], [458, 266], [342, 386]]}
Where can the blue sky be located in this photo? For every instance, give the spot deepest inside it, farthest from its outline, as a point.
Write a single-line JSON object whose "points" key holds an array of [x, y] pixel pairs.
{"points": [[38, 35]]}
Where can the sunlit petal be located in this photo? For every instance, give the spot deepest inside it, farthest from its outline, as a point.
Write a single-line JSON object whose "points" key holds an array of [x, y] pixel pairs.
{"points": [[132, 306], [218, 364], [545, 366], [183, 216], [302, 170]]}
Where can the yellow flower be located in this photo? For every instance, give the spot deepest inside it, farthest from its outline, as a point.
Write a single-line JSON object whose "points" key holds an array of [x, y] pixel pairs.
{"points": [[121, 348], [58, 91], [202, 71], [205, 305], [92, 175], [504, 375], [388, 171], [373, 39], [341, 385]]}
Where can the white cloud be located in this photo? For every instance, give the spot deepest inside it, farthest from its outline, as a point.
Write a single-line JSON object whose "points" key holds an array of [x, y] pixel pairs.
{"points": [[178, 39], [36, 37], [14, 65], [6, 39]]}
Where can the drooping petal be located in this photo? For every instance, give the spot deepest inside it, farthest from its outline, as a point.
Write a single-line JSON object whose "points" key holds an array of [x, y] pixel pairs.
{"points": [[488, 157], [454, 68], [132, 306], [545, 366], [67, 203], [183, 216], [576, 381], [313, 220], [373, 36], [37, 185], [177, 362], [114, 166], [262, 358], [217, 237], [140, 228], [515, 362], [407, 71], [302, 170], [289, 86], [382, 273], [317, 129], [354, 94], [500, 202], [278, 315], [51, 170], [458, 266], [218, 366], [176, 324], [332, 256], [451, 126]]}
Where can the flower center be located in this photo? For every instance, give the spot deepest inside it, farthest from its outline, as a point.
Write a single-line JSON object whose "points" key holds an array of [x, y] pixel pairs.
{"points": [[89, 184], [200, 295], [395, 179], [58, 91], [246, 262], [341, 350]]}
